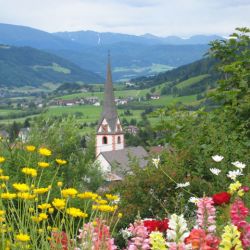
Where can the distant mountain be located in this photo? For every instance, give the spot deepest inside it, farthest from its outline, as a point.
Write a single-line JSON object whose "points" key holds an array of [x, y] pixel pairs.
{"points": [[20, 66], [130, 60], [24, 36], [92, 38], [132, 56]]}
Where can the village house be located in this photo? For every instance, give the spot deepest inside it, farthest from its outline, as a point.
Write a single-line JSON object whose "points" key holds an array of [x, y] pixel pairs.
{"points": [[154, 96], [131, 129]]}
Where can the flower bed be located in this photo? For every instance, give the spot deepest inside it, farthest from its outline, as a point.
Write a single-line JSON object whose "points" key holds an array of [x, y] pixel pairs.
{"points": [[35, 216]]}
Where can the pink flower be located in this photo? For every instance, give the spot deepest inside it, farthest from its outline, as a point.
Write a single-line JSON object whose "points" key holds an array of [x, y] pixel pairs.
{"points": [[206, 214], [99, 235], [245, 189], [140, 236], [238, 214]]}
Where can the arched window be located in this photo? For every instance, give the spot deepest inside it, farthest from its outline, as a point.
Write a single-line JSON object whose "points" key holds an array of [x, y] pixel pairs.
{"points": [[119, 140], [104, 140]]}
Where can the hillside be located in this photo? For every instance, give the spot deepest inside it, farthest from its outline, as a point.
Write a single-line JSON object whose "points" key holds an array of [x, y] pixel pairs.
{"points": [[21, 66], [132, 56], [193, 78]]}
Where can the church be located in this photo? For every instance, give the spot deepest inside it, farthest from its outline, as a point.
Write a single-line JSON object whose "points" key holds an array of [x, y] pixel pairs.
{"points": [[111, 154]]}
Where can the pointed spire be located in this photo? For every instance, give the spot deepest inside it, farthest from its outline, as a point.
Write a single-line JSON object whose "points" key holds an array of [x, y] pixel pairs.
{"points": [[109, 108]]}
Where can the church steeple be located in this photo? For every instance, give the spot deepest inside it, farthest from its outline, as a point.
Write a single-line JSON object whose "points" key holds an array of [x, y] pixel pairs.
{"points": [[109, 108], [109, 135]]}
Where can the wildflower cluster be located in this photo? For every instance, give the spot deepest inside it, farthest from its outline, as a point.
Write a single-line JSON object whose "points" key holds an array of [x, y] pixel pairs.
{"points": [[31, 218]]}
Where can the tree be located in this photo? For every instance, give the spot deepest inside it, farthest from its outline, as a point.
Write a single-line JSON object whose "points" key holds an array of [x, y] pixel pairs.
{"points": [[233, 57]]}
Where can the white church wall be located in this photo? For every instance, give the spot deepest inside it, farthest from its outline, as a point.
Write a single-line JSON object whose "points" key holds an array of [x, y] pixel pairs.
{"points": [[100, 147], [104, 164]]}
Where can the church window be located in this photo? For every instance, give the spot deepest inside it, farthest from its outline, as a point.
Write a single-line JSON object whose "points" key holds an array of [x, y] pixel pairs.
{"points": [[104, 140], [105, 128], [119, 140], [118, 127]]}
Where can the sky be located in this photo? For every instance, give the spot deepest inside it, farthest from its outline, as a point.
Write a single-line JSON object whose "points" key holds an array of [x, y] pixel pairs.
{"points": [[159, 17]]}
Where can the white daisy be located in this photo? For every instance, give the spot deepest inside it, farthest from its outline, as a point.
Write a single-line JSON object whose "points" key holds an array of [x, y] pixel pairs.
{"points": [[156, 161], [217, 158], [193, 200], [182, 185], [215, 171], [234, 174], [239, 164]]}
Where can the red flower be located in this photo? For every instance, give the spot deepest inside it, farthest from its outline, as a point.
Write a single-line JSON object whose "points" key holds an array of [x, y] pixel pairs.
{"points": [[156, 225], [221, 198], [199, 240], [59, 239]]}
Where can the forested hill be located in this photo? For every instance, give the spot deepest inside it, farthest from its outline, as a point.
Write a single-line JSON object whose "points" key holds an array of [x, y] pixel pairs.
{"points": [[20, 66], [189, 79]]}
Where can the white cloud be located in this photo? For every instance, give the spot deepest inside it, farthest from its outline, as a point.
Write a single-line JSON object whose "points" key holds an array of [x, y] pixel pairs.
{"points": [[160, 17]]}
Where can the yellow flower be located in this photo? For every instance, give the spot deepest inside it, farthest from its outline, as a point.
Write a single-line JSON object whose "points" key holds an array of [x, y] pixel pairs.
{"points": [[22, 187], [2, 159], [234, 187], [25, 196], [76, 212], [69, 192], [41, 190], [40, 230], [112, 197], [23, 237], [4, 177], [51, 210], [61, 162], [30, 148], [2, 219], [120, 215], [87, 195], [43, 164], [59, 203], [29, 171], [8, 196], [49, 228], [230, 238], [241, 192], [44, 151], [101, 202], [59, 184], [3, 185], [44, 206], [104, 208], [1, 171], [36, 219], [43, 216], [157, 241], [2, 212]]}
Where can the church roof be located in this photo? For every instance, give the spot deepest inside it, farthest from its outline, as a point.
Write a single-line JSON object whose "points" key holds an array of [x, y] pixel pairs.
{"points": [[109, 111], [121, 159]]}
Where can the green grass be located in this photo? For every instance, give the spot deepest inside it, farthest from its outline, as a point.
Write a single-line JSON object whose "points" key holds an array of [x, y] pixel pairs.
{"points": [[56, 67], [119, 93], [191, 81], [9, 111]]}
